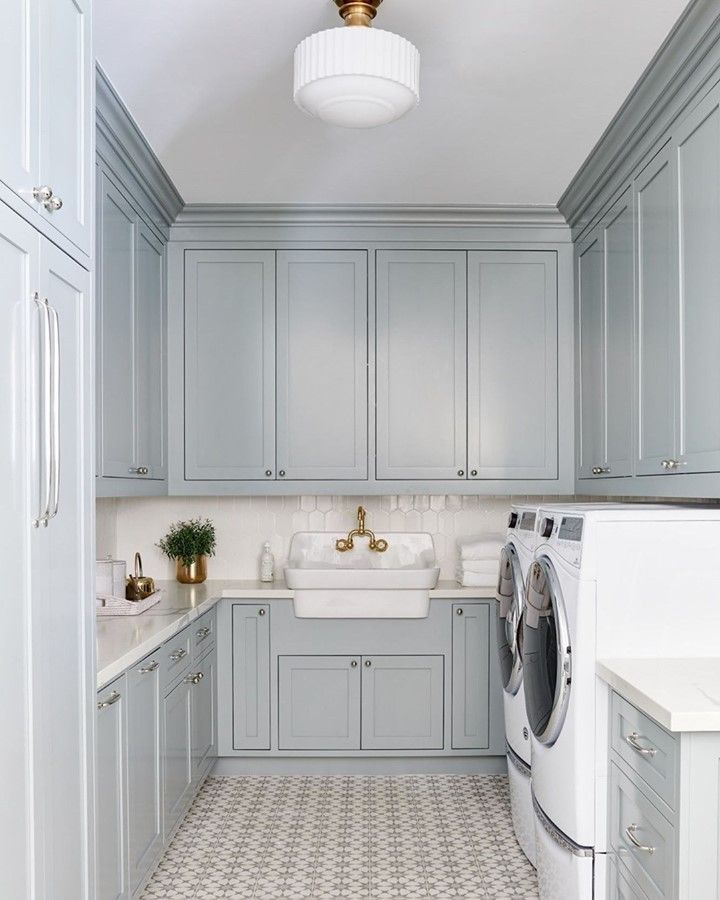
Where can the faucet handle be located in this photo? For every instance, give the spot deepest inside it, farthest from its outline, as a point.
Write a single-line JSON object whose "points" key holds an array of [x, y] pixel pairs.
{"points": [[343, 544]]}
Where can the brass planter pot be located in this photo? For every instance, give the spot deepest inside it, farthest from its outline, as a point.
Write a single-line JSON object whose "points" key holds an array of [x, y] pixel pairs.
{"points": [[194, 574]]}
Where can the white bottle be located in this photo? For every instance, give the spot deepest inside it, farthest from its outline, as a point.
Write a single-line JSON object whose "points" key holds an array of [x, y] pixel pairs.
{"points": [[267, 563]]}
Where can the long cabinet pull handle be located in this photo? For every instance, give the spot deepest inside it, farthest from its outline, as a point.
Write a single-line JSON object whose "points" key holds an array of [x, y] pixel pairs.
{"points": [[113, 698], [45, 419], [145, 670], [633, 738], [630, 835], [55, 397], [177, 655]]}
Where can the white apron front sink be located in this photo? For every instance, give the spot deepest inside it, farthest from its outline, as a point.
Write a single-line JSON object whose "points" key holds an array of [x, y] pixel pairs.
{"points": [[361, 583]]}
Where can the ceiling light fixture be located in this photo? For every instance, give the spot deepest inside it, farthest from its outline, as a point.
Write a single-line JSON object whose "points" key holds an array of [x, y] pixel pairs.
{"points": [[356, 76]]}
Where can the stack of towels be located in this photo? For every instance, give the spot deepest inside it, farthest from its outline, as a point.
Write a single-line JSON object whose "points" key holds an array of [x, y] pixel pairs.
{"points": [[479, 560]]}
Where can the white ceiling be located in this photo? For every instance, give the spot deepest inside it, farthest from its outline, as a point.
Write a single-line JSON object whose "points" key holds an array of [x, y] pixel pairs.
{"points": [[515, 93]]}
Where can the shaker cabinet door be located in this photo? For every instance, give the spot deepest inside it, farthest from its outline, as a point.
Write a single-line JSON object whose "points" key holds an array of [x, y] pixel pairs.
{"points": [[67, 115], [150, 354], [698, 162], [322, 395], [470, 676], [204, 716], [116, 331], [591, 389], [110, 778], [512, 364], [229, 364], [177, 754], [658, 375], [421, 364], [251, 676]]}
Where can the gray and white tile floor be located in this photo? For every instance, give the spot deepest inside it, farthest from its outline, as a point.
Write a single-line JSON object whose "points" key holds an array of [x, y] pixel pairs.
{"points": [[327, 838]]}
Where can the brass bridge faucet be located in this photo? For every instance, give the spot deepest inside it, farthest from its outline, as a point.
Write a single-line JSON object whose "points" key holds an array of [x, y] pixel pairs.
{"points": [[343, 544]]}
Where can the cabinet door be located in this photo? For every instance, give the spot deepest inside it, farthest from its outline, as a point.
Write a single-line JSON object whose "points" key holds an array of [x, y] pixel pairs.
{"points": [[62, 615], [590, 282], [229, 364], [322, 364], [656, 206], [149, 365], [619, 336], [698, 161], [470, 676], [319, 703], [177, 754], [402, 702], [421, 364], [116, 331], [110, 769], [251, 676], [19, 90], [67, 114], [145, 838], [204, 716], [512, 364]]}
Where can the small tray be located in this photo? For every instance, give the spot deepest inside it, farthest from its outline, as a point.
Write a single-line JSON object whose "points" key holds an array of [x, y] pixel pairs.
{"points": [[106, 605]]}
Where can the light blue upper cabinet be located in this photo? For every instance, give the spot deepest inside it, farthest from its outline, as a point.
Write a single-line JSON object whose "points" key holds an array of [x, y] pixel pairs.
{"points": [[46, 66], [421, 398], [150, 354], [606, 291], [512, 364], [658, 376], [66, 116], [591, 390], [229, 364], [697, 144], [322, 395]]}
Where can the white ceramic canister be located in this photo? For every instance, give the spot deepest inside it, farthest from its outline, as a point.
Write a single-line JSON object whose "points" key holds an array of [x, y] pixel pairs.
{"points": [[104, 577], [119, 577]]}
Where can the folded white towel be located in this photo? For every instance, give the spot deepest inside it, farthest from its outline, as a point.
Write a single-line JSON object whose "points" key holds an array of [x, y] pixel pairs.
{"points": [[481, 566], [484, 547], [476, 579]]}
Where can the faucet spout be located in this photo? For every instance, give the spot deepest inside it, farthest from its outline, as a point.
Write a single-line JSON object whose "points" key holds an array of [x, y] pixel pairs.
{"points": [[342, 545]]}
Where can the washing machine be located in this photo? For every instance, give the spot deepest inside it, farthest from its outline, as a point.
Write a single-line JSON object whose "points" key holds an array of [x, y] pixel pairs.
{"points": [[605, 582], [515, 559]]}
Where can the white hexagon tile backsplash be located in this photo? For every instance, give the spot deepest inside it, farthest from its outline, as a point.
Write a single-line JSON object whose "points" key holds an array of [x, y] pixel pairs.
{"points": [[244, 523]]}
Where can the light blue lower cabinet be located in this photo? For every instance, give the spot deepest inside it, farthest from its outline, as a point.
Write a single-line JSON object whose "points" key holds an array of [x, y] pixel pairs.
{"points": [[204, 715], [621, 884], [177, 753], [402, 702], [145, 834], [319, 702], [471, 676], [110, 819], [251, 676]]}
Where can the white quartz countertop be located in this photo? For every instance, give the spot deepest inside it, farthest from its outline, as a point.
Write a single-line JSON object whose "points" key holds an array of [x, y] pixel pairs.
{"points": [[680, 694], [123, 641]]}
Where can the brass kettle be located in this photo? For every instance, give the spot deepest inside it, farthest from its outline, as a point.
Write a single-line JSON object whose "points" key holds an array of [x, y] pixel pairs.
{"points": [[139, 586]]}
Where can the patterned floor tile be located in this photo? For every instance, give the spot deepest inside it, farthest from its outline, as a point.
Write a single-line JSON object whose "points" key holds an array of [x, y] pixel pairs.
{"points": [[346, 838]]}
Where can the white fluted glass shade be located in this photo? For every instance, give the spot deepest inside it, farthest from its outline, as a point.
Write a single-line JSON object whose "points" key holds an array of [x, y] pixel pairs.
{"points": [[356, 77]]}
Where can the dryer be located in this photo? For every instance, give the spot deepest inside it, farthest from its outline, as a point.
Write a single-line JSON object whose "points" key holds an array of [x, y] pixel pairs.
{"points": [[515, 559], [605, 582]]}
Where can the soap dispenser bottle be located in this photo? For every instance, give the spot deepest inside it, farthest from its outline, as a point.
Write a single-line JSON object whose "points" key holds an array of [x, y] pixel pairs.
{"points": [[267, 563]]}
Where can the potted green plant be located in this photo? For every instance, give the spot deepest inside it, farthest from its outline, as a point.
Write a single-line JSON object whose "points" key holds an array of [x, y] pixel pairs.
{"points": [[189, 544]]}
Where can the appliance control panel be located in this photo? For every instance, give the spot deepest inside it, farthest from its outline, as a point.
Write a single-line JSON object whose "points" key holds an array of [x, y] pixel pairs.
{"points": [[565, 534]]}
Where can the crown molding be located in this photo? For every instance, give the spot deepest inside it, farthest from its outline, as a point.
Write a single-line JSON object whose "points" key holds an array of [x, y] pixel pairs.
{"points": [[119, 134], [363, 215], [686, 62]]}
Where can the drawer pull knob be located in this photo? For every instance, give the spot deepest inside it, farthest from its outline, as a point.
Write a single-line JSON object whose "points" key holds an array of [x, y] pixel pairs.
{"points": [[203, 633], [113, 698], [633, 738], [630, 835], [177, 655], [194, 678], [145, 670]]}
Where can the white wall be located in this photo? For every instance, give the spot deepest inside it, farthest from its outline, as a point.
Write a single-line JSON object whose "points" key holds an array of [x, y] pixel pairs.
{"points": [[244, 523]]}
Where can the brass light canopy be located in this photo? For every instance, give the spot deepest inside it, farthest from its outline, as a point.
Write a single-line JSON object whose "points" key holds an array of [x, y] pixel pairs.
{"points": [[358, 12]]}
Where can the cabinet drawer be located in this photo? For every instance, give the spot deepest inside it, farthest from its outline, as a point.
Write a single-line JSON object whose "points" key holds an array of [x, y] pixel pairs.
{"points": [[176, 656], [641, 837], [203, 634], [621, 884], [646, 748]]}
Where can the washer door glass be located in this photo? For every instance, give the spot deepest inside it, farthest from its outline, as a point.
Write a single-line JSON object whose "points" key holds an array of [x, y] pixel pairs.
{"points": [[510, 597], [546, 652]]}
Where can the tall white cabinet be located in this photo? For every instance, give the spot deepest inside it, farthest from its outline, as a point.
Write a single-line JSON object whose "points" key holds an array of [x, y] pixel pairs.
{"points": [[45, 493]]}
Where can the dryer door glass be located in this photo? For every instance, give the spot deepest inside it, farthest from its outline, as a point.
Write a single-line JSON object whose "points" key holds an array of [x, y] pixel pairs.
{"points": [[546, 652], [510, 593]]}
